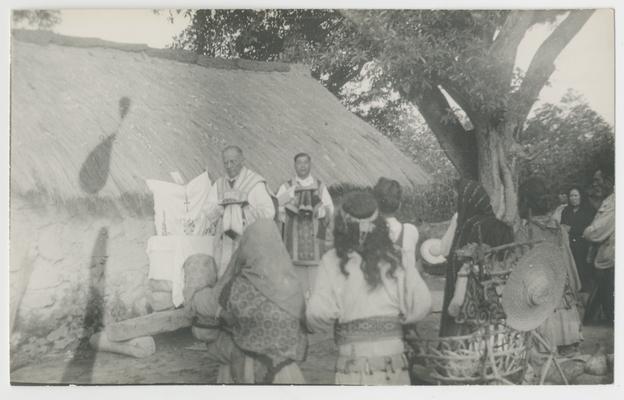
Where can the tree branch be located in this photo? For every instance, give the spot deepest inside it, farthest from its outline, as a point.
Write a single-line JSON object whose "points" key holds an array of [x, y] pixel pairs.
{"points": [[543, 62], [459, 145], [504, 48]]}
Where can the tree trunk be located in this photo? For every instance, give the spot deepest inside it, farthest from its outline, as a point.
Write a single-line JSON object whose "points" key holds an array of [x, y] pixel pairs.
{"points": [[498, 171]]}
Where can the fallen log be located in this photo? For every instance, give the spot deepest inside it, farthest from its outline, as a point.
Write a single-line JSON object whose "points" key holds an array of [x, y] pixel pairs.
{"points": [[148, 325], [138, 347]]}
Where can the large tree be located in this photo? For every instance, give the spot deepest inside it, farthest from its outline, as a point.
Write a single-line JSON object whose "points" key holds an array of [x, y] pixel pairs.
{"points": [[380, 60]]}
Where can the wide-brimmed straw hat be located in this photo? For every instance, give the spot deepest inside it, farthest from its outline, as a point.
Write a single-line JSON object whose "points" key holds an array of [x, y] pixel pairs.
{"points": [[534, 288], [431, 251]]}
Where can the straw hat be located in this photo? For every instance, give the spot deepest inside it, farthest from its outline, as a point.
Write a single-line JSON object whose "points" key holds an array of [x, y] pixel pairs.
{"points": [[430, 251], [534, 288]]}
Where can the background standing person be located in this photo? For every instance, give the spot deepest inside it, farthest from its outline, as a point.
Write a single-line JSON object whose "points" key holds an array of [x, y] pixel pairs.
{"points": [[562, 197], [601, 231], [576, 217], [365, 295], [563, 327], [306, 209], [234, 202], [404, 236]]}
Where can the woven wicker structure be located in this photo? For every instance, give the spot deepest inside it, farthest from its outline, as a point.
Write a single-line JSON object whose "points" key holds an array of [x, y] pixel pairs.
{"points": [[494, 352]]}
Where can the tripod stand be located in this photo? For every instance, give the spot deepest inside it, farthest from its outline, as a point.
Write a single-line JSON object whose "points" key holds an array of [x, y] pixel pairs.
{"points": [[552, 358]]}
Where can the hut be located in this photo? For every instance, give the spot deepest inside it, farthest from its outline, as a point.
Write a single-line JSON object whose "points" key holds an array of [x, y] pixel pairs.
{"points": [[91, 120]]}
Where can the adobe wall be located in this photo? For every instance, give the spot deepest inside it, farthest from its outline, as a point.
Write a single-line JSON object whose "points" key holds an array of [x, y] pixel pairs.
{"points": [[76, 273]]}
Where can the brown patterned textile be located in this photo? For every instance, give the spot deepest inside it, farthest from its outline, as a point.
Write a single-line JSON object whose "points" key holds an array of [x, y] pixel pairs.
{"points": [[263, 327]]}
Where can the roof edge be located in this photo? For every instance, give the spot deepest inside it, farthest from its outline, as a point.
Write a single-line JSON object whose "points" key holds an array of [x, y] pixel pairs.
{"points": [[43, 37]]}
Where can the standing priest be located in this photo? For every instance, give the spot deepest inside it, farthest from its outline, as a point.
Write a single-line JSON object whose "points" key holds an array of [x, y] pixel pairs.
{"points": [[234, 202], [306, 210]]}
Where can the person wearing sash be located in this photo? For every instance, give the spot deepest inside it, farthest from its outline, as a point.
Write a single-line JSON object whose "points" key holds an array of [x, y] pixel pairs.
{"points": [[305, 209], [234, 202], [404, 236], [563, 328], [365, 295]]}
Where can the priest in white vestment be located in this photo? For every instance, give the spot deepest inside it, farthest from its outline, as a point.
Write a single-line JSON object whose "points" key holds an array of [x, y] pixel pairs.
{"points": [[234, 202]]}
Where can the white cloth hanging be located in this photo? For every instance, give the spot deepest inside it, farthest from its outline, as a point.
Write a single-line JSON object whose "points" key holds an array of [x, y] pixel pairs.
{"points": [[173, 205], [171, 202]]}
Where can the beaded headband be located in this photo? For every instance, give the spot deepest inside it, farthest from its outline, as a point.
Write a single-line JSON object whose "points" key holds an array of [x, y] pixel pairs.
{"points": [[366, 225]]}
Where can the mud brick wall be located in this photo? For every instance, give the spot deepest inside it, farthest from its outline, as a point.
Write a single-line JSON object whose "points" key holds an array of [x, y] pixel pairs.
{"points": [[76, 273]]}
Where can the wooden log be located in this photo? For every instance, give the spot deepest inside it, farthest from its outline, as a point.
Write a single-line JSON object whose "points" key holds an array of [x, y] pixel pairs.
{"points": [[138, 347], [148, 325]]}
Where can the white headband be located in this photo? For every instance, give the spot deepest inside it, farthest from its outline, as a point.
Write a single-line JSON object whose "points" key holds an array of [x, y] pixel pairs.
{"points": [[366, 225]]}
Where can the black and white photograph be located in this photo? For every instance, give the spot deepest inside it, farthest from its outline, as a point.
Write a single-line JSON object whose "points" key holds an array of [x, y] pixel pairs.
{"points": [[311, 196]]}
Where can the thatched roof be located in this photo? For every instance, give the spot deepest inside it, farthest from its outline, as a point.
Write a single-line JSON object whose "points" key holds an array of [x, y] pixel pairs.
{"points": [[89, 116]]}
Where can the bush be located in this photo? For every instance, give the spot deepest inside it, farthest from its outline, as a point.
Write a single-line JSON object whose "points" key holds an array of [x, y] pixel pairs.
{"points": [[425, 203]]}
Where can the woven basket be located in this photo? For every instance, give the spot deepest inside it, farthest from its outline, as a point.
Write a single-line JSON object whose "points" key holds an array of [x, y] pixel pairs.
{"points": [[496, 354]]}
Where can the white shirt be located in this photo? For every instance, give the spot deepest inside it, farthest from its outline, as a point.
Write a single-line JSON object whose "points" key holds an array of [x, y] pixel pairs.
{"points": [[260, 203], [410, 240], [285, 196], [347, 298]]}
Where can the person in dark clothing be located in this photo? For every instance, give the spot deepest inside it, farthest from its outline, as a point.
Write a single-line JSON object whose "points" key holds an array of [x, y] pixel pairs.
{"points": [[474, 214], [602, 233], [576, 217]]}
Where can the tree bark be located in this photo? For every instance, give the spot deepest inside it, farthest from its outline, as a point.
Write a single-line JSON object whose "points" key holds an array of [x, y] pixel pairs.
{"points": [[458, 144], [498, 171]]}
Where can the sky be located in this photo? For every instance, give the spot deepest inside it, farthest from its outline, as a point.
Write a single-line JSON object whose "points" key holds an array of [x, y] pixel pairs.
{"points": [[586, 65]]}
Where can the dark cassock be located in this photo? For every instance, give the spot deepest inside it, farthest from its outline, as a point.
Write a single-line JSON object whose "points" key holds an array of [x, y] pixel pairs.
{"points": [[306, 209]]}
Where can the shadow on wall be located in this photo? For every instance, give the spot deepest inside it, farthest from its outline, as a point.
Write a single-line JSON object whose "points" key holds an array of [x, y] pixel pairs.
{"points": [[80, 368], [96, 168]]}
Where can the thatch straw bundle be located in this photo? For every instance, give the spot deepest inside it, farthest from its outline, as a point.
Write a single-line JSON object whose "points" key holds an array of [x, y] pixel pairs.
{"points": [[89, 116]]}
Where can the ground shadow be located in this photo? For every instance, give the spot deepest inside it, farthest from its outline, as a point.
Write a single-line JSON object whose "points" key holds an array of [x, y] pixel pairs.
{"points": [[80, 368]]}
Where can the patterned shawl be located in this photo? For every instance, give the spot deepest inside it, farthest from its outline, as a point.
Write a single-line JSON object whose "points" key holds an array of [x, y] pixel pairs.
{"points": [[474, 214]]}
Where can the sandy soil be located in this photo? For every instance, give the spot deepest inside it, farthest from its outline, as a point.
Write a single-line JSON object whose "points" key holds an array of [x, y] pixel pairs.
{"points": [[180, 359]]}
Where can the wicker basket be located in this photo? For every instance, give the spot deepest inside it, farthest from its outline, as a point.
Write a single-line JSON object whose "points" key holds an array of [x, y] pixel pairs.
{"points": [[496, 354]]}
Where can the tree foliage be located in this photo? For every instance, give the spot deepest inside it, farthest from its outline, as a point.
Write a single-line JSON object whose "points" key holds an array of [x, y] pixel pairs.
{"points": [[40, 19], [568, 140], [293, 35]]}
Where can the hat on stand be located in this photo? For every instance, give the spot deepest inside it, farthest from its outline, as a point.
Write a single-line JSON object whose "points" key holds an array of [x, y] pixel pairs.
{"points": [[535, 287]]}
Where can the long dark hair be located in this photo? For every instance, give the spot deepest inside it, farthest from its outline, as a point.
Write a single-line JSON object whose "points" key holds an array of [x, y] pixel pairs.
{"points": [[376, 247]]}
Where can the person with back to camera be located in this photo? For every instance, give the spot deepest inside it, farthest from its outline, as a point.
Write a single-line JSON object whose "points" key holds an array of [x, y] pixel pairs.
{"points": [[403, 235], [365, 294]]}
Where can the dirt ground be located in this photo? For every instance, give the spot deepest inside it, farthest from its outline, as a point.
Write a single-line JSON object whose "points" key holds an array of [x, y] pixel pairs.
{"points": [[180, 359]]}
